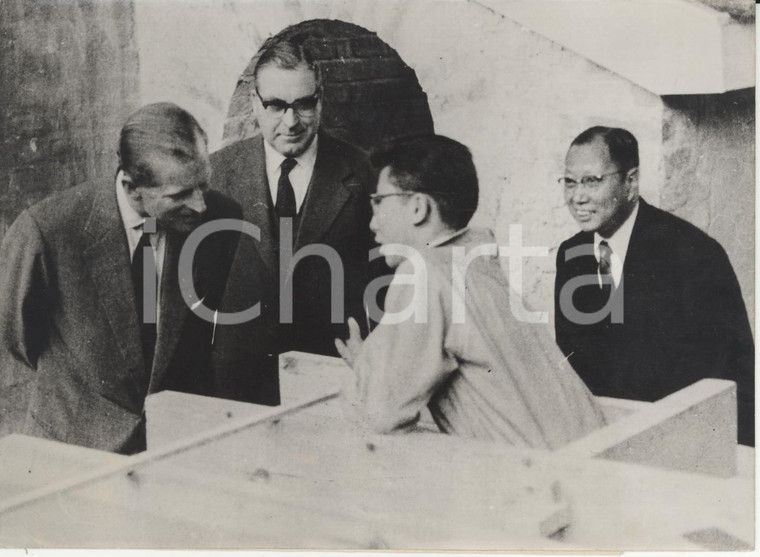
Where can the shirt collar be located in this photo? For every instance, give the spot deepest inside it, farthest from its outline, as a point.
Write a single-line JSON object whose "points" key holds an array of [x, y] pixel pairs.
{"points": [[131, 218], [306, 159], [441, 240], [619, 241]]}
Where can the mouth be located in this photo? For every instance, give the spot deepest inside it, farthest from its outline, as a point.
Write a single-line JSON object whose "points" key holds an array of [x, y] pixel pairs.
{"points": [[583, 214], [292, 136], [190, 219]]}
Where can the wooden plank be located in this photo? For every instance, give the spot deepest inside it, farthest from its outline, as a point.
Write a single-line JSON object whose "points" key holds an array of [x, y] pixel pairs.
{"points": [[619, 506], [129, 464], [616, 408], [232, 500], [388, 473], [384, 491], [162, 507], [745, 461], [296, 479], [303, 374], [30, 462], [692, 430]]}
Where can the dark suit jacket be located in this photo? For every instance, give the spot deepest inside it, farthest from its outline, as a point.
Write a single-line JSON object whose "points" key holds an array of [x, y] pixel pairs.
{"points": [[683, 316], [336, 212], [68, 312]]}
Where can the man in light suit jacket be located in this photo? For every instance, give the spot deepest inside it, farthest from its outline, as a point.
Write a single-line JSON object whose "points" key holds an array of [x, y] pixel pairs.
{"points": [[75, 286], [293, 172], [646, 303]]}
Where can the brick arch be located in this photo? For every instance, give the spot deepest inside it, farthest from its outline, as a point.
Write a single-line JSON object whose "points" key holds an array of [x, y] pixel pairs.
{"points": [[370, 93]]}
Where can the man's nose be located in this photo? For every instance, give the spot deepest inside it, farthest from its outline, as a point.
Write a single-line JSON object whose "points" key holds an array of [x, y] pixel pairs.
{"points": [[373, 222], [289, 117], [580, 194], [197, 202]]}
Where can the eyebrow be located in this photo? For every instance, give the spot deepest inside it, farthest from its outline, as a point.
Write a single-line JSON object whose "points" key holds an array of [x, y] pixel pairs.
{"points": [[277, 100]]}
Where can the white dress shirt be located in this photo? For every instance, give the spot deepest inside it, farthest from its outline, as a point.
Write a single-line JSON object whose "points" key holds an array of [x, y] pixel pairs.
{"points": [[133, 225], [300, 176], [618, 243]]}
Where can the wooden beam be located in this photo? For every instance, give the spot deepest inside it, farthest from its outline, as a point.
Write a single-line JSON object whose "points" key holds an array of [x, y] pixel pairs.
{"points": [[693, 430], [132, 463]]}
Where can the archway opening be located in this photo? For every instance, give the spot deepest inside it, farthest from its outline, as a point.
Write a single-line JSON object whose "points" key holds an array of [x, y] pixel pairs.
{"points": [[370, 93]]}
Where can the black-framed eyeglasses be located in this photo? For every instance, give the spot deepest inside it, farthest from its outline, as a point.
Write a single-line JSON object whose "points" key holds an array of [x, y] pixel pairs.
{"points": [[376, 198], [588, 181], [305, 106]]}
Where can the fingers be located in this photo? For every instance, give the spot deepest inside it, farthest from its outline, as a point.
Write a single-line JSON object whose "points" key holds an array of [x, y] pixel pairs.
{"points": [[354, 332], [345, 352], [342, 349]]}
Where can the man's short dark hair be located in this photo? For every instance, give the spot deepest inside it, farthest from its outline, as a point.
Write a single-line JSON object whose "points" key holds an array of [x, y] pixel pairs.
{"points": [[622, 145], [288, 51], [437, 166], [158, 130]]}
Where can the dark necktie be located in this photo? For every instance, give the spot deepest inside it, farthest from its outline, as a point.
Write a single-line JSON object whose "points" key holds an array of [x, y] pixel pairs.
{"points": [[285, 206], [144, 256], [605, 263]]}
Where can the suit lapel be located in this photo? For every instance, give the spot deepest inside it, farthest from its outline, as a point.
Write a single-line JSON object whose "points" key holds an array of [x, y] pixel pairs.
{"points": [[643, 250], [328, 192], [251, 189], [640, 244], [106, 255], [173, 313]]}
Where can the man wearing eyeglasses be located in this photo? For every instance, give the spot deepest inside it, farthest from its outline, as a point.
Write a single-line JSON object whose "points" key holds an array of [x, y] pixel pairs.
{"points": [[452, 345], [295, 174], [645, 303]]}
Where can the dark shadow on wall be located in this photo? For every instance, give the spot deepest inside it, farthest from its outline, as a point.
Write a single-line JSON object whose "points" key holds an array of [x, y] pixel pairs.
{"points": [[370, 94], [709, 173], [68, 78]]}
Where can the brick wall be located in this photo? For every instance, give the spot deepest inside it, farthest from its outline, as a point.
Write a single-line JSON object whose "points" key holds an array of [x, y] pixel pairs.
{"points": [[370, 94]]}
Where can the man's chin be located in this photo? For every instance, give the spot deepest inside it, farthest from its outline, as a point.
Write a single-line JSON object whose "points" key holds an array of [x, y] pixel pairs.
{"points": [[184, 226], [293, 148], [587, 225]]}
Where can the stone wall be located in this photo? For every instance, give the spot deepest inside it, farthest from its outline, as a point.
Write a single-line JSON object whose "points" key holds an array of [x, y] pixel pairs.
{"points": [[68, 79], [709, 173]]}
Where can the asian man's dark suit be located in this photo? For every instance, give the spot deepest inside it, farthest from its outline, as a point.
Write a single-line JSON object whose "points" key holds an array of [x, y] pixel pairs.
{"points": [[683, 316], [68, 313], [336, 212]]}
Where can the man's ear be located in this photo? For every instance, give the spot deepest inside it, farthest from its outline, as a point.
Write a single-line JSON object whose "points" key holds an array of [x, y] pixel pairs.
{"points": [[257, 108], [421, 208], [632, 183], [130, 189]]}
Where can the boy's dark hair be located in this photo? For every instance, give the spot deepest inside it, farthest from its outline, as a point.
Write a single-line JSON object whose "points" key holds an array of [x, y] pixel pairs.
{"points": [[437, 166]]}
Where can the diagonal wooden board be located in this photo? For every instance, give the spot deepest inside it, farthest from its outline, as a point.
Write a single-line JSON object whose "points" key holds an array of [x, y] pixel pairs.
{"points": [[341, 490], [304, 479]]}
